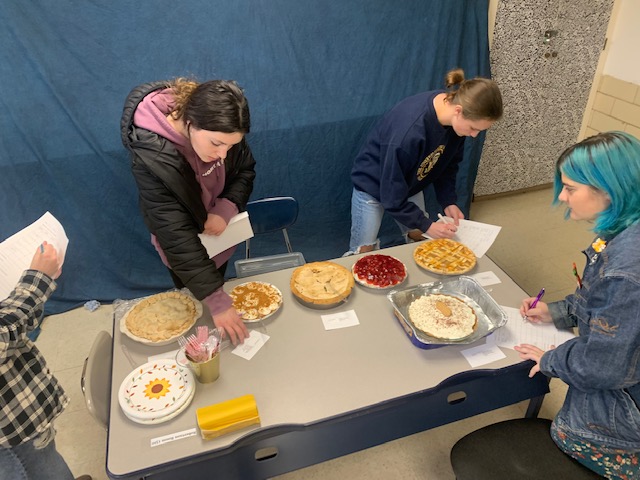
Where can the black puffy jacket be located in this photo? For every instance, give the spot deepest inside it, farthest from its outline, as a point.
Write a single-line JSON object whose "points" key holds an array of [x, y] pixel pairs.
{"points": [[170, 196]]}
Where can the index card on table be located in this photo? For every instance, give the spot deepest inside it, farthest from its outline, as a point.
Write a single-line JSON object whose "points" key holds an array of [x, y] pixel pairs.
{"points": [[475, 235], [340, 320], [17, 251], [482, 354], [517, 331], [254, 342], [238, 230], [486, 278]]}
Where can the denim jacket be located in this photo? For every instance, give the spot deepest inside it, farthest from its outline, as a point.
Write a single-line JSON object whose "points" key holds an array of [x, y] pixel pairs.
{"points": [[602, 365]]}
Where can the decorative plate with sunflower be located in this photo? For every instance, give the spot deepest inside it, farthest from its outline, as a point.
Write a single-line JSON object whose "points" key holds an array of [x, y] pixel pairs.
{"points": [[156, 389]]}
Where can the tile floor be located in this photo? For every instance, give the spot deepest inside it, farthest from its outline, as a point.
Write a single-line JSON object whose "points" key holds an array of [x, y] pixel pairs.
{"points": [[536, 247]]}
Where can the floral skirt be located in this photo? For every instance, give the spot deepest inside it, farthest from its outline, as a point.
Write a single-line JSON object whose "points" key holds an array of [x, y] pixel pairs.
{"points": [[610, 463]]}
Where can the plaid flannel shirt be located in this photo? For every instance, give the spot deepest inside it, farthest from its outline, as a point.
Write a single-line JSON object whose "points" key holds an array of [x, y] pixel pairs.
{"points": [[30, 396]]}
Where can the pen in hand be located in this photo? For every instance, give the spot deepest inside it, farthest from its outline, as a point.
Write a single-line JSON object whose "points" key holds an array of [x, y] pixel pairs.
{"points": [[445, 219], [534, 303], [537, 299]]}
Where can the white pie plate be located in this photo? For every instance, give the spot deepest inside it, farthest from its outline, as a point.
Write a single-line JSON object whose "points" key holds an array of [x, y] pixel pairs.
{"points": [[254, 320], [146, 341], [374, 287], [138, 406]]}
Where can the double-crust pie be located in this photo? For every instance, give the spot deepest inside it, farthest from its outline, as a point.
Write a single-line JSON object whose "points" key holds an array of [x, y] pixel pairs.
{"points": [[321, 283], [255, 300], [379, 271], [444, 256], [162, 317], [443, 316]]}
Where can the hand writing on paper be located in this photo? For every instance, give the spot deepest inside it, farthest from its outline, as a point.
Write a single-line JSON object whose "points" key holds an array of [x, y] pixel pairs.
{"points": [[214, 225], [442, 230], [46, 261], [538, 314], [531, 352]]}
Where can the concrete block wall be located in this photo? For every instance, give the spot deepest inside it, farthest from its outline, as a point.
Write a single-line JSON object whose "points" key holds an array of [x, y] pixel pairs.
{"points": [[616, 107]]}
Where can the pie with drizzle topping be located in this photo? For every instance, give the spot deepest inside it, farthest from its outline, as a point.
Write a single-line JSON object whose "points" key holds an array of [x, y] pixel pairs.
{"points": [[255, 300]]}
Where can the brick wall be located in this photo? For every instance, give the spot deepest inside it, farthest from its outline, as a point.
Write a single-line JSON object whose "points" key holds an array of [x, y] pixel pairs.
{"points": [[616, 107]]}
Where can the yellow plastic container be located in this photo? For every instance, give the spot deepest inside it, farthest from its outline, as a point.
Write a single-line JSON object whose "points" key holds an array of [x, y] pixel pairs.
{"points": [[226, 417]]}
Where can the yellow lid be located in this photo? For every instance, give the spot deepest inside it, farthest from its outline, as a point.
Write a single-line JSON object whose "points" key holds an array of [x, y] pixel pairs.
{"points": [[228, 416]]}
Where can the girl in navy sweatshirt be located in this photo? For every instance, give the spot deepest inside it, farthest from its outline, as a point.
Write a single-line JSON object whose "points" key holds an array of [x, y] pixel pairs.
{"points": [[417, 143]]}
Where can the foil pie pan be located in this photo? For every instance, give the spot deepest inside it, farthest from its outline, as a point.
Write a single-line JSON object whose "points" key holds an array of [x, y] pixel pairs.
{"points": [[489, 314]]}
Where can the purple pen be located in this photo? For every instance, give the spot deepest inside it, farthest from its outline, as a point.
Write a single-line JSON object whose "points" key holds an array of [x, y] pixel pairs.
{"points": [[535, 302]]}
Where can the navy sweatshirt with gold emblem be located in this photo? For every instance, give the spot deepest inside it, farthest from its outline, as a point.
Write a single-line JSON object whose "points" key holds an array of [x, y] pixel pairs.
{"points": [[407, 151]]}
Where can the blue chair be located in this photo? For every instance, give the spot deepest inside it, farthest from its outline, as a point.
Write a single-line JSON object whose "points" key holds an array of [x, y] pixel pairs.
{"points": [[268, 215], [272, 214]]}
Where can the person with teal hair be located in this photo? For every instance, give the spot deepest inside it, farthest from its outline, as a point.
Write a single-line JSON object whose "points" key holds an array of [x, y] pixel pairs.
{"points": [[616, 173], [598, 179]]}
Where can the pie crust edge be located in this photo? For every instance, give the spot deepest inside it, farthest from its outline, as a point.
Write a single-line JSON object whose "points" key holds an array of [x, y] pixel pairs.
{"points": [[338, 297], [145, 301], [369, 285], [468, 253]]}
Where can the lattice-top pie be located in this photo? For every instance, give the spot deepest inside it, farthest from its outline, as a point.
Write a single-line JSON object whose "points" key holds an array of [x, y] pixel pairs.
{"points": [[321, 283], [255, 300], [162, 317], [444, 256], [443, 316]]}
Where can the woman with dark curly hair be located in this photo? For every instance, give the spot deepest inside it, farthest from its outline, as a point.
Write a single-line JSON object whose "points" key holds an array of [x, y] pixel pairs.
{"points": [[194, 171]]}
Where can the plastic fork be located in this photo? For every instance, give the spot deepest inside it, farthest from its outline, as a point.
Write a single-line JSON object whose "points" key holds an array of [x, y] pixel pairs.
{"points": [[195, 349]]}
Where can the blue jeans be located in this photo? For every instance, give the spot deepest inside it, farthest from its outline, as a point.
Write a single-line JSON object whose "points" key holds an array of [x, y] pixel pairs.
{"points": [[366, 218], [28, 462]]}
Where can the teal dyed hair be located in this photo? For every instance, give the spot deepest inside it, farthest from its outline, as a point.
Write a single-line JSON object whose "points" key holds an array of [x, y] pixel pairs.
{"points": [[608, 162]]}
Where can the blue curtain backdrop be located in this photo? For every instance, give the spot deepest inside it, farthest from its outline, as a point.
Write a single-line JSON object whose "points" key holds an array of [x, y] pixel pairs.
{"points": [[317, 73]]}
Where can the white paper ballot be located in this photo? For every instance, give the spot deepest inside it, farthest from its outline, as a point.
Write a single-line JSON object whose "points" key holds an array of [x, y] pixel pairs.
{"points": [[486, 278], [345, 319], [517, 331], [254, 342], [475, 235], [17, 251], [482, 354], [237, 231]]}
